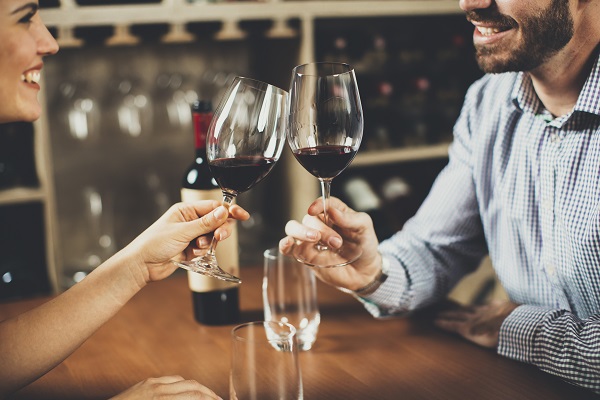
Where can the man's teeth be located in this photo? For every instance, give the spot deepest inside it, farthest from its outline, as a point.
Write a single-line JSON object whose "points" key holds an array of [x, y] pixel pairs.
{"points": [[31, 77], [487, 31]]}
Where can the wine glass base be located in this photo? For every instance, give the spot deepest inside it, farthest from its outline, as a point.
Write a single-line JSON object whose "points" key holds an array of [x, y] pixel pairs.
{"points": [[207, 265], [321, 256]]}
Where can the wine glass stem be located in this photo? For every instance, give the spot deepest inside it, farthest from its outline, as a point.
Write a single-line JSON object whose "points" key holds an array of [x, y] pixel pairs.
{"points": [[227, 200], [325, 190]]}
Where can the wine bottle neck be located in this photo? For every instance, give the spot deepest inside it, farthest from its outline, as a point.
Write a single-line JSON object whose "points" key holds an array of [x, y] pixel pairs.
{"points": [[201, 124]]}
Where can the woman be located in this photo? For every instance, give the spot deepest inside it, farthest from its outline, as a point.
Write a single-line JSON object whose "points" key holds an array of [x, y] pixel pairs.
{"points": [[36, 341]]}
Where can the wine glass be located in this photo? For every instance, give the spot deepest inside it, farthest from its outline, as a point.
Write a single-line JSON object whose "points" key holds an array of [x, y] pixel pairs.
{"points": [[244, 141], [324, 133]]}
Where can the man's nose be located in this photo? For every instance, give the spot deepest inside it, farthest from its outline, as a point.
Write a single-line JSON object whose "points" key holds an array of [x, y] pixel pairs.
{"points": [[470, 5]]}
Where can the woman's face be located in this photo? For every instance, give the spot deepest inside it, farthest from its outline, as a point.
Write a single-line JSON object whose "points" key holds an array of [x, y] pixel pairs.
{"points": [[24, 40]]}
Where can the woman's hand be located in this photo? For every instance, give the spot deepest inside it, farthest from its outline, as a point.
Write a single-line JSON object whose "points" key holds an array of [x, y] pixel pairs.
{"points": [[354, 228], [179, 234], [167, 387]]}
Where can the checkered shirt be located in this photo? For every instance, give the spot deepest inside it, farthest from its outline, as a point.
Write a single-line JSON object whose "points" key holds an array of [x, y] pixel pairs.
{"points": [[523, 187]]}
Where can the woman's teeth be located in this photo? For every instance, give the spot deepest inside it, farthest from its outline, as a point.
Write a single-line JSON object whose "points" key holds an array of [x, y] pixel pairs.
{"points": [[487, 31], [31, 77]]}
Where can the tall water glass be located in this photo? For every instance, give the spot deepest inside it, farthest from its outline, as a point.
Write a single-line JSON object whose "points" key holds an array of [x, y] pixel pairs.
{"points": [[264, 362], [290, 295]]}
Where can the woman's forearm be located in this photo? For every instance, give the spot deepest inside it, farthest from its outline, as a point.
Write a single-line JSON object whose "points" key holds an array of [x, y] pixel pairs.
{"points": [[33, 343]]}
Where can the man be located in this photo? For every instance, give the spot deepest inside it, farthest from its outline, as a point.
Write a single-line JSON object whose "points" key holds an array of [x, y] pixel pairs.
{"points": [[522, 184]]}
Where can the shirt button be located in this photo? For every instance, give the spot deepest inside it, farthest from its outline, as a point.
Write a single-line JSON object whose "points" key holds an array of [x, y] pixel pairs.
{"points": [[554, 138], [551, 270]]}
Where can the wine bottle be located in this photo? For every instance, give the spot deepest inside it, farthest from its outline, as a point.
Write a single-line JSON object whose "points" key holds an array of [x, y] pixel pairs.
{"points": [[215, 302]]}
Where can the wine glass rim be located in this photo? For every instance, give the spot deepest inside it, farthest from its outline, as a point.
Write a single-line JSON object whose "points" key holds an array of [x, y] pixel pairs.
{"points": [[348, 68], [273, 253], [259, 83], [291, 334]]}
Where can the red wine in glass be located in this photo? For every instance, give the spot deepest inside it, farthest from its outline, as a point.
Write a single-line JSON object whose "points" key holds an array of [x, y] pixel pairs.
{"points": [[237, 175], [325, 162]]}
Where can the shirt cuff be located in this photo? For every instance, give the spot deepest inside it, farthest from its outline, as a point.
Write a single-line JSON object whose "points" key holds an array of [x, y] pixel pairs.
{"points": [[518, 332], [385, 301]]}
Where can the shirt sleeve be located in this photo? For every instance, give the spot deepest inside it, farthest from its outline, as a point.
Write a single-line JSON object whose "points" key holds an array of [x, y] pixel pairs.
{"points": [[556, 341], [443, 242]]}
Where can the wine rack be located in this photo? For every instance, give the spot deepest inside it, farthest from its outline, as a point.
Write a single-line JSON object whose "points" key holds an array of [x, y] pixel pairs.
{"points": [[274, 35]]}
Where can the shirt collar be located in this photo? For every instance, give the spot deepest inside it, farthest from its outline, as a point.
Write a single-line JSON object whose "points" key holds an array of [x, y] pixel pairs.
{"points": [[589, 98], [525, 98]]}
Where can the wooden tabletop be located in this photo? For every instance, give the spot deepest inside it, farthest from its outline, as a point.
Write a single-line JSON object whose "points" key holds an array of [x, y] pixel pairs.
{"points": [[355, 356]]}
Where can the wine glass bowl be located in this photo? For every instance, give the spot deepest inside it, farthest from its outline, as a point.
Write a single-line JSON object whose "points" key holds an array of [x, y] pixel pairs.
{"points": [[244, 141], [325, 130]]}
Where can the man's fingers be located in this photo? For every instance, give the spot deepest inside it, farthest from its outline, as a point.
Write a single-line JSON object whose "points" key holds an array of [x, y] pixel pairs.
{"points": [[301, 232], [285, 245], [456, 315], [450, 325], [317, 206], [350, 220]]}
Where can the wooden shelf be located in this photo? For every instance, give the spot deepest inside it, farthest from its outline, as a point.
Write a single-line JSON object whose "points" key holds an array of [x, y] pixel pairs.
{"points": [[382, 157], [180, 11], [21, 195]]}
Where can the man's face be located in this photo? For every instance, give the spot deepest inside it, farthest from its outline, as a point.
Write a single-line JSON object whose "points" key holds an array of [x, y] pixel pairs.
{"points": [[517, 35]]}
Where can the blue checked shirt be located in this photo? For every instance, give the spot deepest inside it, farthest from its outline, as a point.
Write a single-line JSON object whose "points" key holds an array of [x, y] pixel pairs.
{"points": [[525, 188]]}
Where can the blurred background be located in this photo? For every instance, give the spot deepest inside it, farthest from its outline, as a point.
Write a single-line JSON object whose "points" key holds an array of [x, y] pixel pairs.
{"points": [[109, 155]]}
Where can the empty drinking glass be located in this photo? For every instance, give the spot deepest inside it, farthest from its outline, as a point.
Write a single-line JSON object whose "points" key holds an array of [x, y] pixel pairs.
{"points": [[290, 295], [264, 362]]}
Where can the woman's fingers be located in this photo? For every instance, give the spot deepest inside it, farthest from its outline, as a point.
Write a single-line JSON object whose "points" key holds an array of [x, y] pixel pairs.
{"points": [[238, 213], [167, 387]]}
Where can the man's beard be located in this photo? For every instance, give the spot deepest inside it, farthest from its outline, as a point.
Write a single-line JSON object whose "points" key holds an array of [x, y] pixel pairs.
{"points": [[543, 36]]}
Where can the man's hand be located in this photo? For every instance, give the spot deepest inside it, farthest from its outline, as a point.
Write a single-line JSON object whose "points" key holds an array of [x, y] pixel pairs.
{"points": [[352, 227], [479, 324]]}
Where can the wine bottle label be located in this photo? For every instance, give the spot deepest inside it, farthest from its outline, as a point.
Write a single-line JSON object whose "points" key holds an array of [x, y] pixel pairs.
{"points": [[226, 251]]}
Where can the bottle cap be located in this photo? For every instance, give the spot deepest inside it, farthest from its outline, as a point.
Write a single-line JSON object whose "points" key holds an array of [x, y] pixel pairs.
{"points": [[202, 106]]}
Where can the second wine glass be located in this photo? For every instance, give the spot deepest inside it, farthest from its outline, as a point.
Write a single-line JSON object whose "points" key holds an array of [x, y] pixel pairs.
{"points": [[324, 133], [244, 141]]}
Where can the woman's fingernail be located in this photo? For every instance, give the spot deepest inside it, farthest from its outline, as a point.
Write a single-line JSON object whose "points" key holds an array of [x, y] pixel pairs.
{"points": [[311, 234], [204, 242], [220, 212], [335, 242]]}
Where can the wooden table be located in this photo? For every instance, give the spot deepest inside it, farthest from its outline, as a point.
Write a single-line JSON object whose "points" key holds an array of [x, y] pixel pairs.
{"points": [[354, 357]]}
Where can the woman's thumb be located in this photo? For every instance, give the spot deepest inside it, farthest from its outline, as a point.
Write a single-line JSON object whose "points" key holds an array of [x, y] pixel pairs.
{"points": [[207, 223]]}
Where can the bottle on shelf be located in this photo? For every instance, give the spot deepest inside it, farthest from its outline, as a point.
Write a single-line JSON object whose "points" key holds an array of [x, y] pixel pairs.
{"points": [[215, 302], [362, 197]]}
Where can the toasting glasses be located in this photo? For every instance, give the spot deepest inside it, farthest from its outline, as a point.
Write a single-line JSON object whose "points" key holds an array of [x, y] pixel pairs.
{"points": [[324, 133], [244, 141]]}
